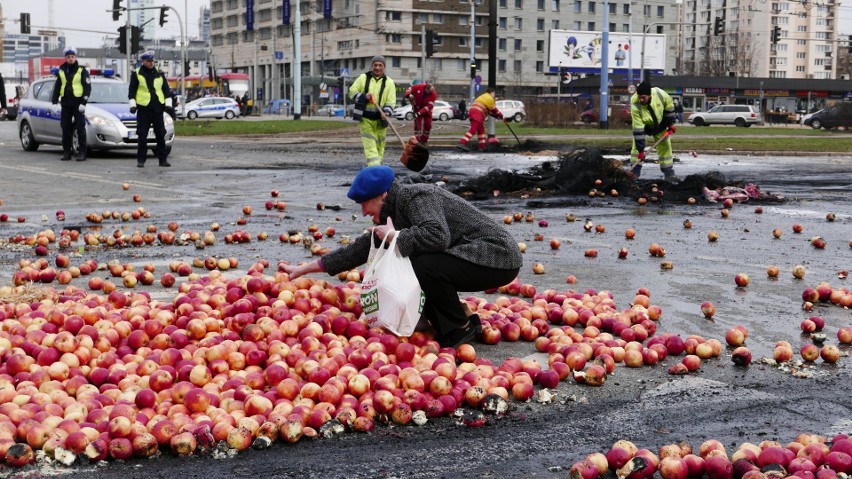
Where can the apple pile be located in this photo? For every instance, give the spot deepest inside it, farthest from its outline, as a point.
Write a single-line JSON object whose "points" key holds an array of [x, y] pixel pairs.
{"points": [[809, 456]]}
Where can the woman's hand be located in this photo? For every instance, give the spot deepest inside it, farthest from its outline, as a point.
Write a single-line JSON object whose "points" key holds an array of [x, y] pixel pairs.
{"points": [[294, 271], [385, 230]]}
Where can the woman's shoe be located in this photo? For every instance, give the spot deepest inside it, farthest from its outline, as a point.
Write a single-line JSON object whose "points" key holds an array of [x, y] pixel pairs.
{"points": [[457, 337]]}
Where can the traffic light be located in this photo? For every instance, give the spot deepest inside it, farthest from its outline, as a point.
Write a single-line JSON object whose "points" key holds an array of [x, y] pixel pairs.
{"points": [[25, 23], [163, 15], [186, 68], [718, 26], [116, 9], [776, 34], [135, 40], [473, 68], [122, 40], [340, 84], [430, 43]]}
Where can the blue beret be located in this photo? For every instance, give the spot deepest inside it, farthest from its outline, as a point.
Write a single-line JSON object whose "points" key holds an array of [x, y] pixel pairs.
{"points": [[370, 182], [149, 55]]}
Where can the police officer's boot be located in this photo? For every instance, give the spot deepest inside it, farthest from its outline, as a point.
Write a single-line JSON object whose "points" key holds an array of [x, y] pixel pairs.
{"points": [[66, 156], [669, 175]]}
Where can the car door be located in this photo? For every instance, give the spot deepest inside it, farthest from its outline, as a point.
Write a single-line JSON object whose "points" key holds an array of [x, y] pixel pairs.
{"points": [[46, 117], [205, 108]]}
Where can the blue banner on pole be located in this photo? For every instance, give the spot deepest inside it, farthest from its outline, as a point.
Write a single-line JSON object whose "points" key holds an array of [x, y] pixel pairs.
{"points": [[249, 15], [326, 9], [285, 12]]}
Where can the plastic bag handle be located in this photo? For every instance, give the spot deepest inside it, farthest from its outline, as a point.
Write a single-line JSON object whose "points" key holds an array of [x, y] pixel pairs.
{"points": [[378, 253]]}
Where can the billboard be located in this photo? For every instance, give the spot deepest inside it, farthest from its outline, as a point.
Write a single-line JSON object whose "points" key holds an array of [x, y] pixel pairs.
{"points": [[581, 51]]}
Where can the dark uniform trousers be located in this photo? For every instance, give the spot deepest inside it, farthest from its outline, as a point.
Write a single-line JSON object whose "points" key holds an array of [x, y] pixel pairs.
{"points": [[72, 119], [145, 118]]}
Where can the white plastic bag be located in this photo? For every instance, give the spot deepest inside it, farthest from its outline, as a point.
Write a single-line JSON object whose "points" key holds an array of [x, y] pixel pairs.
{"points": [[391, 297]]}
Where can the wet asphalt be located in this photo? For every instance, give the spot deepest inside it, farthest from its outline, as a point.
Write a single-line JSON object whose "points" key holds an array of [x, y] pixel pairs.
{"points": [[212, 179]]}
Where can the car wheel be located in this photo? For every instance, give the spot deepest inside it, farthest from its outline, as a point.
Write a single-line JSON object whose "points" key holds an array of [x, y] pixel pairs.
{"points": [[816, 124], [519, 117], [444, 117], [740, 122], [699, 122], [28, 142], [409, 116], [192, 115], [229, 115]]}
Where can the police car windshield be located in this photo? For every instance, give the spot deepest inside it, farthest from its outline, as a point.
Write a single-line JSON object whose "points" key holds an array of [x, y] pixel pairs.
{"points": [[108, 92]]}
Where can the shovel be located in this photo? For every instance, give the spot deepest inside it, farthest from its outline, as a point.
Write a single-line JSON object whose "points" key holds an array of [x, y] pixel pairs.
{"points": [[667, 134], [513, 131], [414, 155]]}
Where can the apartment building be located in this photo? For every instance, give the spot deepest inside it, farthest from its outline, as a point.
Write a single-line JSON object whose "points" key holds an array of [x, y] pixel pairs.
{"points": [[343, 35], [806, 45]]}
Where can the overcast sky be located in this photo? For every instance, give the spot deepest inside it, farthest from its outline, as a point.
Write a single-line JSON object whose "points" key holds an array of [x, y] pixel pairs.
{"points": [[93, 15]]}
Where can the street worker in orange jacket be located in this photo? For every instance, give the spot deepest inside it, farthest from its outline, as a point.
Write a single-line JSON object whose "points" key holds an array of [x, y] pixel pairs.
{"points": [[483, 106]]}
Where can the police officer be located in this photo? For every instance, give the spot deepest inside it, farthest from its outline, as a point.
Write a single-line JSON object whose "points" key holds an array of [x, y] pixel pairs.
{"points": [[148, 92], [2, 98], [72, 89]]}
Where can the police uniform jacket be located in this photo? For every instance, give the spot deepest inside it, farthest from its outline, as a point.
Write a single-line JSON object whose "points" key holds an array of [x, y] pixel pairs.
{"points": [[150, 74], [68, 97]]}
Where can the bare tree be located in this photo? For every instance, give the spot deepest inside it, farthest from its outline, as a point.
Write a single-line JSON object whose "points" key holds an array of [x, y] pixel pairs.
{"points": [[844, 63], [719, 59], [713, 58]]}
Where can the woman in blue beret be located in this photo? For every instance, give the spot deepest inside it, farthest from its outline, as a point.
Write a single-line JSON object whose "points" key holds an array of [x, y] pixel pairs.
{"points": [[452, 245]]}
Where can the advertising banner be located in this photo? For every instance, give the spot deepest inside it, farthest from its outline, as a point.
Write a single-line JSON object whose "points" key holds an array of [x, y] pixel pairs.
{"points": [[326, 9], [249, 15], [581, 51], [285, 12]]}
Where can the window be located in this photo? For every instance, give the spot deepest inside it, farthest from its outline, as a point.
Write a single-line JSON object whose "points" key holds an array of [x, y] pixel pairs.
{"points": [[464, 20], [502, 3], [395, 62], [518, 66], [554, 24], [216, 24], [578, 6], [539, 45], [800, 68], [539, 24], [232, 4], [519, 23], [613, 8], [265, 15], [554, 5], [463, 41], [612, 27], [541, 5], [422, 18], [517, 44], [501, 65], [800, 55], [344, 45], [501, 23], [394, 38], [591, 7], [646, 10], [437, 63], [437, 18], [625, 27], [501, 44], [578, 25], [539, 66], [519, 4], [462, 64], [393, 16], [216, 7], [232, 21], [626, 9], [591, 26], [661, 10]]}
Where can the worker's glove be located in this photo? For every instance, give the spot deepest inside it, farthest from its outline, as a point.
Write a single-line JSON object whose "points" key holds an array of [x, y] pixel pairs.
{"points": [[81, 108], [407, 93], [388, 110], [641, 156], [133, 107], [500, 116], [672, 130], [416, 114]]}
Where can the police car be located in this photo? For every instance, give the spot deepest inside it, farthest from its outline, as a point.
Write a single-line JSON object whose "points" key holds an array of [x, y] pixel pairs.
{"points": [[109, 123], [210, 107]]}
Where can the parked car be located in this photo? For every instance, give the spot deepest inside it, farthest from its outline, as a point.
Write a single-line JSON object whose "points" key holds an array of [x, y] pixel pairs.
{"points": [[739, 115], [838, 115], [618, 110], [513, 110], [210, 107], [330, 110], [442, 111], [109, 123]]}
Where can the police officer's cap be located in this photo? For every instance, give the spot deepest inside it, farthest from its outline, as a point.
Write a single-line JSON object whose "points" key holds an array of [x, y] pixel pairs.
{"points": [[149, 55], [70, 51]]}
